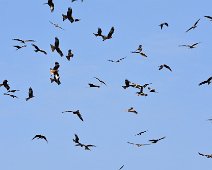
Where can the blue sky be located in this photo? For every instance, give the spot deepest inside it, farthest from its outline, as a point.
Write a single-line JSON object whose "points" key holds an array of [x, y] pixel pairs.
{"points": [[179, 111]]}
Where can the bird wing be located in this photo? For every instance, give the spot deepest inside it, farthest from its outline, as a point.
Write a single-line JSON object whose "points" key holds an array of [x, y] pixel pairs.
{"points": [[57, 42], [111, 32], [167, 67], [209, 17], [36, 47], [80, 116], [195, 24], [189, 29]]}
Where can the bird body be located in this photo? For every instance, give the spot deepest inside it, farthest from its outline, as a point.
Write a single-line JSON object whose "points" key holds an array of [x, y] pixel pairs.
{"points": [[30, 94]]}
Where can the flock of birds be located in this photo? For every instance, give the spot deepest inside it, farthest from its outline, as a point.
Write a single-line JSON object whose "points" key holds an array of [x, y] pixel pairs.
{"points": [[55, 76]]}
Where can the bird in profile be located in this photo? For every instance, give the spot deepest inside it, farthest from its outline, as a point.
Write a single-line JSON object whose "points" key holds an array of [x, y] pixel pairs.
{"points": [[11, 95], [109, 35], [208, 81], [37, 49], [30, 94], [190, 46], [162, 24], [101, 81], [206, 155], [12, 91], [99, 32], [56, 47], [76, 139], [127, 84], [132, 110], [40, 137], [156, 140], [193, 26], [51, 5], [166, 66], [138, 144], [70, 55], [93, 85], [69, 16], [209, 17], [23, 41], [140, 133], [18, 47], [117, 61], [56, 25], [5, 84], [77, 112]]}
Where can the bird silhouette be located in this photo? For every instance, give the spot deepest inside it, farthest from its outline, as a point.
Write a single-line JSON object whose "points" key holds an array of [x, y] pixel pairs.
{"points": [[117, 61], [138, 144], [121, 167], [40, 137], [166, 66], [206, 155], [5, 84], [99, 33], [69, 16], [109, 35], [11, 95], [156, 140], [12, 91], [193, 26], [127, 84], [51, 5], [37, 49], [208, 81], [162, 24], [18, 47], [30, 94], [190, 46], [77, 112], [139, 52], [93, 85], [23, 41], [140, 133], [209, 17], [70, 55], [102, 82], [56, 25], [76, 139], [56, 47], [132, 110]]}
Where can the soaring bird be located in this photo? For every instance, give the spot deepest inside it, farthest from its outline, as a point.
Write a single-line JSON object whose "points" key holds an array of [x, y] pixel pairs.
{"points": [[138, 144], [70, 55], [11, 95], [208, 81], [193, 26], [209, 17], [51, 5], [69, 16], [156, 140], [56, 47], [99, 33], [117, 61], [5, 84], [30, 94], [162, 24], [139, 52], [102, 82], [23, 41], [87, 147], [140, 133], [109, 35], [131, 109], [77, 112], [40, 137], [19, 47], [206, 155], [55, 70], [93, 85], [152, 90], [166, 66], [56, 25], [190, 46], [37, 49]]}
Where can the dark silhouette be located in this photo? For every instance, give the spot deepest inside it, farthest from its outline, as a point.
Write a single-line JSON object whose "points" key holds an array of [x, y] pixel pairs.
{"points": [[5, 84], [93, 85], [40, 137], [127, 84], [51, 5], [117, 61], [30, 93], [12, 91], [11, 95], [56, 25], [208, 81], [99, 33], [164, 65], [37, 49], [19, 47], [193, 26], [56, 47], [23, 41], [156, 140], [76, 139], [209, 17], [69, 16], [140, 133], [190, 46], [131, 109], [109, 36], [206, 155], [70, 55], [162, 24], [138, 144], [121, 167], [102, 82], [77, 112]]}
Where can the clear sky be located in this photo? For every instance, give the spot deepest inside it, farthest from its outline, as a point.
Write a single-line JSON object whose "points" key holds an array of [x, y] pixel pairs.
{"points": [[178, 111]]}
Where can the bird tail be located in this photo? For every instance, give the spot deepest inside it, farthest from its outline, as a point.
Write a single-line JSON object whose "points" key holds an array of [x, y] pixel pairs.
{"points": [[52, 47], [64, 17]]}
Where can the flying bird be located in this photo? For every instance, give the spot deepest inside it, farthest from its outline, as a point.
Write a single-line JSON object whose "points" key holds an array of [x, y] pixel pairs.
{"points": [[190, 46], [117, 61], [109, 36], [77, 112], [70, 55], [209, 17], [76, 139], [11, 95], [140, 133], [131, 109], [139, 52], [19, 47], [206, 155], [23, 41], [152, 90], [37, 49], [138, 144], [69, 16], [93, 85], [87, 147], [102, 82], [166, 66], [30, 94], [51, 5], [208, 81], [99, 33], [193, 26], [5, 84], [162, 24], [156, 140], [127, 84], [56, 47], [12, 91], [40, 137], [56, 25]]}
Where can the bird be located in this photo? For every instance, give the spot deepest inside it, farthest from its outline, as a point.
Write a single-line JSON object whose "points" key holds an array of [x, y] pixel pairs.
{"points": [[139, 49], [40, 137], [131, 109], [193, 26], [5, 84], [140, 133], [208, 81], [77, 112], [56, 79], [55, 70], [56, 25], [99, 33], [70, 55], [76, 139], [19, 47], [117, 61], [30, 94], [69, 16], [209, 17], [109, 36], [139, 52], [11, 95], [127, 84], [23, 41], [37, 49], [190, 46], [138, 144], [56, 47], [156, 140], [102, 82], [85, 146], [121, 167], [206, 155], [162, 24], [152, 90], [51, 5], [93, 85], [12, 91], [166, 66]]}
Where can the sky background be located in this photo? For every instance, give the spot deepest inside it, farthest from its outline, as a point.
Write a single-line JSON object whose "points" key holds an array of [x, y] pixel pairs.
{"points": [[179, 111]]}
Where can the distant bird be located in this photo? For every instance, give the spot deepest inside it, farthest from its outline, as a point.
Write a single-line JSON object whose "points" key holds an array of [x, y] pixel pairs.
{"points": [[156, 140], [93, 85], [131, 109], [193, 26], [40, 137], [56, 47], [55, 70], [56, 79], [56, 66], [117, 61], [206, 155], [190, 46], [208, 81], [140, 133], [152, 90], [37, 49], [99, 33], [23, 41], [11, 95], [139, 52], [138, 144], [209, 17], [166, 66], [87, 147], [56, 25], [5, 84], [109, 36], [77, 112], [69, 16], [127, 84], [19, 47], [76, 139], [121, 167], [70, 55], [102, 82], [12, 91], [30, 94], [51, 5], [162, 24]]}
